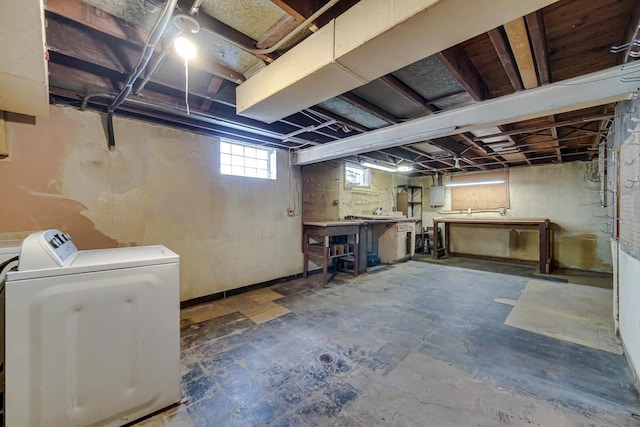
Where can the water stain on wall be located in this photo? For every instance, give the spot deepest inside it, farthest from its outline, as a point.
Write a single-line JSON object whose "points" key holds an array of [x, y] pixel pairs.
{"points": [[35, 200], [581, 250]]}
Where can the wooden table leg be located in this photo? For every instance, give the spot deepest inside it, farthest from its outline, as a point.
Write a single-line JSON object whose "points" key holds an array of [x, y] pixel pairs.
{"points": [[434, 241], [447, 232], [325, 260], [356, 250], [305, 249]]}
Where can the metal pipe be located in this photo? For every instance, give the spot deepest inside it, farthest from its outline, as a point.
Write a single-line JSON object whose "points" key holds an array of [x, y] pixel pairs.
{"points": [[163, 55], [198, 117], [195, 7], [282, 41], [152, 40]]}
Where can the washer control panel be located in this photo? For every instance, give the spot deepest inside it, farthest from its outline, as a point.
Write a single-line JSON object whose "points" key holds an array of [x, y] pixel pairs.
{"points": [[61, 244], [46, 249]]}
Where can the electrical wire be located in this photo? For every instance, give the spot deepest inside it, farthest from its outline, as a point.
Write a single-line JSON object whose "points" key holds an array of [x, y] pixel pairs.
{"points": [[186, 83]]}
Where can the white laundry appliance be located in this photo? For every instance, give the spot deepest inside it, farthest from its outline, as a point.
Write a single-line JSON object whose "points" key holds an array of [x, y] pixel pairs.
{"points": [[92, 337], [9, 251]]}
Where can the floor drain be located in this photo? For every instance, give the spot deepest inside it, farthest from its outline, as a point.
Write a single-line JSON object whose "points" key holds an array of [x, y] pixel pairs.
{"points": [[326, 358]]}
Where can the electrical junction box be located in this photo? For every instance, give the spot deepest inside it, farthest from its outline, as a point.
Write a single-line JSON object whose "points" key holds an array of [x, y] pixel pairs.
{"points": [[436, 196]]}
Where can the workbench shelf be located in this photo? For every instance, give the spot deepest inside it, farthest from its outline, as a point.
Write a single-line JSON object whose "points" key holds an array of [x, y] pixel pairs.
{"points": [[335, 245], [409, 202]]}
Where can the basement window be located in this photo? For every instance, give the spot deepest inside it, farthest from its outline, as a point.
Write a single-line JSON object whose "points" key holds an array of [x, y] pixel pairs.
{"points": [[356, 176], [247, 160]]}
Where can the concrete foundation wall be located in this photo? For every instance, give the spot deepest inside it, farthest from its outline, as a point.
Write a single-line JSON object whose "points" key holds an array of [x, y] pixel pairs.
{"points": [[160, 186], [325, 197], [559, 192]]}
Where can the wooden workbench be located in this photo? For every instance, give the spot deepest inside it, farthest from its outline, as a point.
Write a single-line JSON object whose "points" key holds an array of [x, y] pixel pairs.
{"points": [[542, 224], [326, 252]]}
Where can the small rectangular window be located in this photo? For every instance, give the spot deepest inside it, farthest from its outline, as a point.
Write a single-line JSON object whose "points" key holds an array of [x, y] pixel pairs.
{"points": [[245, 160], [356, 176]]}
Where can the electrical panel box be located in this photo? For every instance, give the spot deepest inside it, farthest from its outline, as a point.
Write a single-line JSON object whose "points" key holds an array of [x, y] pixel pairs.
{"points": [[436, 196]]}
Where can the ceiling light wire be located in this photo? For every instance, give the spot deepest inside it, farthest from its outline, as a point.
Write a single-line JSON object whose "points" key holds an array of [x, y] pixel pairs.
{"points": [[186, 83]]}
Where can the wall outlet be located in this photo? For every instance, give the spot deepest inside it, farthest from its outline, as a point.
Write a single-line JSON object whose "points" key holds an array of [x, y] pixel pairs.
{"points": [[290, 212]]}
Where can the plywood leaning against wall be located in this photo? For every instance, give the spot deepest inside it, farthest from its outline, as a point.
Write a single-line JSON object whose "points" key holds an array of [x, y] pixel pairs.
{"points": [[488, 196]]}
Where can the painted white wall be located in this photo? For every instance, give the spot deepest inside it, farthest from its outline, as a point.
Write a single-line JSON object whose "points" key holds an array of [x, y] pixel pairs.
{"points": [[629, 297], [559, 192], [160, 186]]}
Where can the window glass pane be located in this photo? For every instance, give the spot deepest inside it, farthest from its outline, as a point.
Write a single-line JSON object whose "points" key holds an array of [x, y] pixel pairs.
{"points": [[249, 152], [251, 162], [244, 160], [356, 175], [237, 161], [237, 150]]}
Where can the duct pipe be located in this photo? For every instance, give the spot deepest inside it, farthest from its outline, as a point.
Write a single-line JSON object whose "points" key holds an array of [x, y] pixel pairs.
{"points": [[152, 40]]}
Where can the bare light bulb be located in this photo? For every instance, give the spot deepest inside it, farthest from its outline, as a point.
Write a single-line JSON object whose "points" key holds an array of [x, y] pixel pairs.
{"points": [[185, 48]]}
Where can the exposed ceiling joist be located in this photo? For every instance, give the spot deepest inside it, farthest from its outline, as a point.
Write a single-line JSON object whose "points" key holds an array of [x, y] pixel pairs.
{"points": [[535, 25], [406, 91], [345, 55], [590, 90], [500, 44], [456, 60]]}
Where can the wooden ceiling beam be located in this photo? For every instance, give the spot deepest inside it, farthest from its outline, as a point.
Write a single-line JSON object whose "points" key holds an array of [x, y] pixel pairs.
{"points": [[545, 127], [554, 135], [431, 159], [300, 10], [103, 23], [92, 17], [212, 90], [518, 37], [72, 41], [277, 33], [368, 107], [631, 30], [329, 115], [500, 44], [481, 149], [535, 25], [457, 61], [209, 23], [406, 91]]}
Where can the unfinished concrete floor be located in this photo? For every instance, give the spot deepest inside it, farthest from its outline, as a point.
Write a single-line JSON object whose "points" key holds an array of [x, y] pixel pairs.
{"points": [[413, 344]]}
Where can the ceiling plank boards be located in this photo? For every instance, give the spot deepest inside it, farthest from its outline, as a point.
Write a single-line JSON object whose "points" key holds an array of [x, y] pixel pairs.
{"points": [[516, 31]]}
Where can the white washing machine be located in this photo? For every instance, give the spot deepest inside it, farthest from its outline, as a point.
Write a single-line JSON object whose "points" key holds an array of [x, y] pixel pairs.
{"points": [[9, 251], [92, 337]]}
